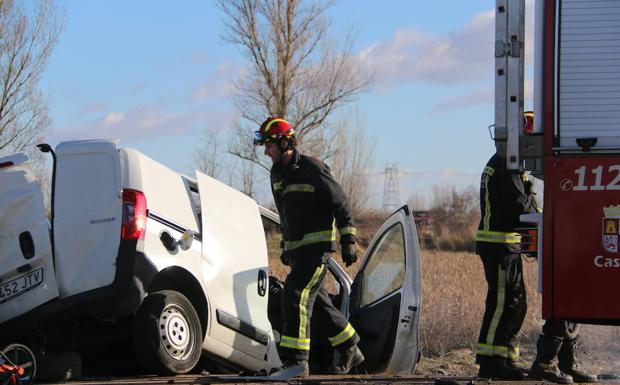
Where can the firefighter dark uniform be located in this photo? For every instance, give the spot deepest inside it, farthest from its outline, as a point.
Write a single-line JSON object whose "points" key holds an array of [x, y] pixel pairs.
{"points": [[504, 196], [309, 200]]}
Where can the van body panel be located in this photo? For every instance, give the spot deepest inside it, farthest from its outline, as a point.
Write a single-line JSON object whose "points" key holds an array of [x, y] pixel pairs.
{"points": [[165, 190], [26, 264], [235, 255], [87, 215]]}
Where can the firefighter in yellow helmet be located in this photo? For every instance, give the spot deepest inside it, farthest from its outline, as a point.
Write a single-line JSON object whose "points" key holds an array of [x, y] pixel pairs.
{"points": [[504, 196], [309, 202]]}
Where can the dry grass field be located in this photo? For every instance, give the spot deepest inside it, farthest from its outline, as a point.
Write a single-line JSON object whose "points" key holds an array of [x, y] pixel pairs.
{"points": [[454, 291]]}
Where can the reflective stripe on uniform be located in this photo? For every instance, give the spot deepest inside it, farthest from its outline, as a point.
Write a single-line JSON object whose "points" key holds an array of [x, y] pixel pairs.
{"points": [[497, 237], [295, 343], [487, 202], [499, 304], [525, 176], [343, 336], [303, 301], [310, 238], [493, 350], [299, 188], [347, 231], [277, 186]]}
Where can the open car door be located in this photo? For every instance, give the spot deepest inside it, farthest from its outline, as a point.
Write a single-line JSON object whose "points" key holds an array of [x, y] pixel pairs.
{"points": [[386, 297], [27, 277]]}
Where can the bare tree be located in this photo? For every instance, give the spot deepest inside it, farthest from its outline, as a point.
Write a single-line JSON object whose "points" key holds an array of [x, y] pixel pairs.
{"points": [[208, 156], [243, 142], [295, 71], [352, 162], [26, 43], [455, 214]]}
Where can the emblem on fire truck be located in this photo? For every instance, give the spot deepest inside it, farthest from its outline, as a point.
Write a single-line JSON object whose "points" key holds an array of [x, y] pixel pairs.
{"points": [[611, 230]]}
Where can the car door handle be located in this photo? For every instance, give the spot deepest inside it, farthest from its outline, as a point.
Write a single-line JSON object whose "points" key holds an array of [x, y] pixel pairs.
{"points": [[407, 319], [26, 244], [262, 283], [24, 268]]}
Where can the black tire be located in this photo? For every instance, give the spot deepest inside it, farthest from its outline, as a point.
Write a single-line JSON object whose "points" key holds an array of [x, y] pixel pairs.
{"points": [[57, 366], [21, 355], [167, 333]]}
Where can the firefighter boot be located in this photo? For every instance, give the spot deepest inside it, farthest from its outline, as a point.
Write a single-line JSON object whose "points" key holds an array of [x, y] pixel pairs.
{"points": [[291, 362], [515, 365], [543, 367], [567, 363], [499, 369], [348, 359]]}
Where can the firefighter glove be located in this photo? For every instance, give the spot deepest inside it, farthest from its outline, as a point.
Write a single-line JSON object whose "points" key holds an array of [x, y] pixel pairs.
{"points": [[527, 186], [349, 255]]}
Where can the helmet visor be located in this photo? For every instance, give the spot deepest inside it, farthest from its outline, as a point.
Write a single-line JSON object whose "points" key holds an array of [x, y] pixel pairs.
{"points": [[259, 138]]}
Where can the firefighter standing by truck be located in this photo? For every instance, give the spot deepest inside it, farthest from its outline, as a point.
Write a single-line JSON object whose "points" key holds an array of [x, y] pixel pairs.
{"points": [[504, 196], [308, 200]]}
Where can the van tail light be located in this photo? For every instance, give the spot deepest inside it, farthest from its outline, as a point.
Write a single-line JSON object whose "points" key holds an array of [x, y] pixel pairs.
{"points": [[6, 164], [134, 215]]}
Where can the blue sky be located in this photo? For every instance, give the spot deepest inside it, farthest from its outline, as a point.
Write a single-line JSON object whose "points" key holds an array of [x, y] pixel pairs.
{"points": [[156, 74]]}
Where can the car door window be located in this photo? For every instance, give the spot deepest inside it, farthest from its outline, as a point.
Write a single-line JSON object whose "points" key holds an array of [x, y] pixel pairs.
{"points": [[385, 270]]}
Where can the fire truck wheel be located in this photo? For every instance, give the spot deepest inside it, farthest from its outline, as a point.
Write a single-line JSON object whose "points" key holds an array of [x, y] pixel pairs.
{"points": [[21, 355], [167, 333]]}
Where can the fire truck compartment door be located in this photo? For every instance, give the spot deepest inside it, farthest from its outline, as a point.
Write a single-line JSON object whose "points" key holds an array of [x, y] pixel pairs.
{"points": [[586, 232], [587, 74]]}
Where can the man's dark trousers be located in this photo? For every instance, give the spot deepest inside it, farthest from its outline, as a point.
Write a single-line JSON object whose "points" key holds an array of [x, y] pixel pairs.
{"points": [[304, 292], [506, 306]]}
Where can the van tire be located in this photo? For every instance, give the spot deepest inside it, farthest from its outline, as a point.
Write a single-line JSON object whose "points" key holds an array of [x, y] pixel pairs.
{"points": [[167, 334], [59, 366]]}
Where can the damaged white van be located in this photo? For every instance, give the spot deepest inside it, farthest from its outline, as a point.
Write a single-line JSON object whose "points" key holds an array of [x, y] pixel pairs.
{"points": [[133, 251]]}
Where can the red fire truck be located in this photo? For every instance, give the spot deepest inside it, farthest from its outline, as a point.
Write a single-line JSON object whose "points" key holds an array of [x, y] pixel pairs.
{"points": [[574, 146]]}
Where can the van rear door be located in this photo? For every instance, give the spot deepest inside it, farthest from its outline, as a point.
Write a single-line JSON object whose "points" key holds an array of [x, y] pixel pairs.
{"points": [[26, 266], [87, 214], [235, 267]]}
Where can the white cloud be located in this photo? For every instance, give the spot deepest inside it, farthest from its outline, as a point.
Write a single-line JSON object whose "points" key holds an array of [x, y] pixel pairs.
{"points": [[220, 84], [476, 97], [486, 95], [92, 108], [134, 124], [113, 118], [462, 56]]}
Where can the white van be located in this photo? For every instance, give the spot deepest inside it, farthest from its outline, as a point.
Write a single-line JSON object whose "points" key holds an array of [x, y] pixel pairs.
{"points": [[179, 264]]}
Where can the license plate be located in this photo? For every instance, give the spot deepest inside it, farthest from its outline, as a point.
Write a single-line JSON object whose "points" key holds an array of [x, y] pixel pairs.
{"points": [[20, 285]]}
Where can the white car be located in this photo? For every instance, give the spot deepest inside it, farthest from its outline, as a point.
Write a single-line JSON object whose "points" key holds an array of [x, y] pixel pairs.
{"points": [[178, 264]]}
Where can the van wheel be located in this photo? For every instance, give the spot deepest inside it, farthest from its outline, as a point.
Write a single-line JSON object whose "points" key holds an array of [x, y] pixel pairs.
{"points": [[20, 355], [167, 333]]}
